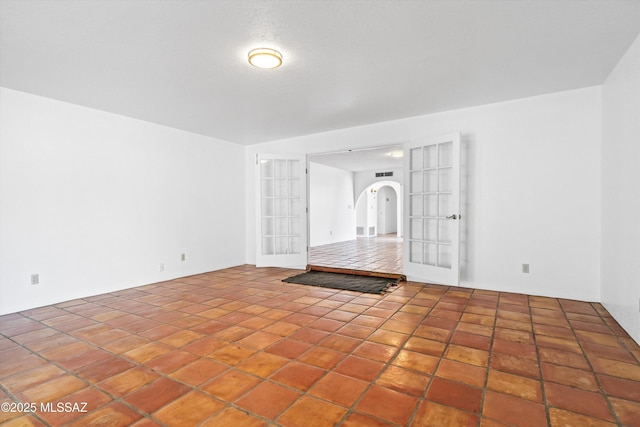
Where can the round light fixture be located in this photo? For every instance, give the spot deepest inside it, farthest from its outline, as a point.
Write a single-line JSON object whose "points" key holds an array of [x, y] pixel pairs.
{"points": [[265, 58]]}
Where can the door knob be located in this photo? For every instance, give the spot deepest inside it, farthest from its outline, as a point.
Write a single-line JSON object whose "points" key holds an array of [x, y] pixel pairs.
{"points": [[454, 216]]}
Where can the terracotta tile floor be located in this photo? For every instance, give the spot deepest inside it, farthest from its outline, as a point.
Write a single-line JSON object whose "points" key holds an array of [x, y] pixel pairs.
{"points": [[238, 347], [380, 254]]}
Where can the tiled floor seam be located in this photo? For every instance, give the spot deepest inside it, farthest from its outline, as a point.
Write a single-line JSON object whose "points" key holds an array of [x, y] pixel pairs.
{"points": [[486, 378], [547, 405], [351, 409], [435, 369], [584, 353], [14, 398], [543, 391], [66, 371], [197, 389], [269, 379], [71, 333], [485, 385], [372, 383], [121, 399], [600, 387]]}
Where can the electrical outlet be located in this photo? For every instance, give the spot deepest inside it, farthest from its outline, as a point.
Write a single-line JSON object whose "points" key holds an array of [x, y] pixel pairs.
{"points": [[35, 279], [161, 266], [525, 268], [183, 257]]}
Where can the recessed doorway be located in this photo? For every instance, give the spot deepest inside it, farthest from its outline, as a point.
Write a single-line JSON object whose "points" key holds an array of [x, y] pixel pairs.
{"points": [[355, 209]]}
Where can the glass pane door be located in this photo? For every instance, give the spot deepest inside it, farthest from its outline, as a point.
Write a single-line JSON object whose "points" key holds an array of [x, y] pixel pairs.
{"points": [[281, 225], [431, 251]]}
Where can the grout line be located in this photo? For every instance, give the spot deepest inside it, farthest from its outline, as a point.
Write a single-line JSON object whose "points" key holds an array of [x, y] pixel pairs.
{"points": [[165, 292]]}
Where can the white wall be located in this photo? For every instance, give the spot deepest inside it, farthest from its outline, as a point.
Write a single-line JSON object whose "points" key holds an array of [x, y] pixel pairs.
{"points": [[531, 188], [621, 192], [362, 214], [362, 180], [94, 202], [387, 210], [331, 205], [372, 213]]}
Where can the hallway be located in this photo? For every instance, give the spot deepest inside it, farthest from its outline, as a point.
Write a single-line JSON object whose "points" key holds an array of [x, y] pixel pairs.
{"points": [[380, 254]]}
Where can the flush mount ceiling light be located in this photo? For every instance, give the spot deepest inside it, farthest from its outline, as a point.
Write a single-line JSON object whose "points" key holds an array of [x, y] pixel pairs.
{"points": [[265, 58], [396, 154]]}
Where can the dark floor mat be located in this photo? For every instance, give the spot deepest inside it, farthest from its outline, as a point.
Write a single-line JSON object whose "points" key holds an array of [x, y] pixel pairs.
{"points": [[349, 282]]}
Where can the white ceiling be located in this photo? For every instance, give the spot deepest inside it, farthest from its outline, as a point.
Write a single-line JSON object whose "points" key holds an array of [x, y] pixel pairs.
{"points": [[373, 159], [182, 63]]}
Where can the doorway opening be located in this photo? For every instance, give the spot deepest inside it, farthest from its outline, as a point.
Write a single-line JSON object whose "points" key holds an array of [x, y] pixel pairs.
{"points": [[379, 210], [355, 210]]}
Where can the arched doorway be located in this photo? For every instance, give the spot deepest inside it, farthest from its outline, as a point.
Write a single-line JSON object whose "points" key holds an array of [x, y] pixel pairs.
{"points": [[379, 210]]}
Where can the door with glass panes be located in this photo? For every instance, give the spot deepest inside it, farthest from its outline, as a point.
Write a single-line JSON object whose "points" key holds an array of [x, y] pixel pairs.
{"points": [[432, 210], [281, 220]]}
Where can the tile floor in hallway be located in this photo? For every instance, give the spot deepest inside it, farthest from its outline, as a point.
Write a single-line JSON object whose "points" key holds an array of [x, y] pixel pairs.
{"points": [[380, 254], [237, 347]]}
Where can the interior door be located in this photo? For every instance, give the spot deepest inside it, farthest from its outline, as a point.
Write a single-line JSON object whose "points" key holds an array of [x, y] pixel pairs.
{"points": [[432, 210], [281, 211]]}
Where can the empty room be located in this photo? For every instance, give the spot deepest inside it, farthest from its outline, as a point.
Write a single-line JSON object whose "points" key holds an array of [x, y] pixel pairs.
{"points": [[459, 177]]}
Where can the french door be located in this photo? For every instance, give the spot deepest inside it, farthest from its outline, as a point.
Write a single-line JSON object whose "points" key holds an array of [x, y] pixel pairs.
{"points": [[432, 210], [281, 211]]}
